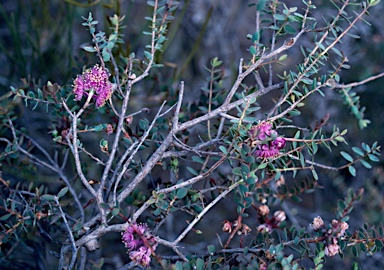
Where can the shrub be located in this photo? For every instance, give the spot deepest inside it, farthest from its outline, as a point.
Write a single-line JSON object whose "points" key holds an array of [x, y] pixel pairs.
{"points": [[223, 161]]}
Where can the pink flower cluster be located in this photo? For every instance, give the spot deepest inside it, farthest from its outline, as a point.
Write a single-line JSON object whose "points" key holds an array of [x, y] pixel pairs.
{"points": [[140, 243], [268, 224], [269, 143], [336, 231], [95, 78]]}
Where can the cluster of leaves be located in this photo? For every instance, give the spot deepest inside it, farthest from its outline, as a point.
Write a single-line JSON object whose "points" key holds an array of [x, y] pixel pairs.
{"points": [[102, 189]]}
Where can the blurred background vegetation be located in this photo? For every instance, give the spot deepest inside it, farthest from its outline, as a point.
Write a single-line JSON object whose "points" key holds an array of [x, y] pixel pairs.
{"points": [[41, 40]]}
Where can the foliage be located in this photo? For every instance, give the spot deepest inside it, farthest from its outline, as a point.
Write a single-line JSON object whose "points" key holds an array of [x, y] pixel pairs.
{"points": [[223, 147]]}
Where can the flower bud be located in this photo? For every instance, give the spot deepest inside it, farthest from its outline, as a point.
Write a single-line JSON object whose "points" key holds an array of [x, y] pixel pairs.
{"points": [[279, 216], [263, 210], [317, 223], [227, 226], [245, 229]]}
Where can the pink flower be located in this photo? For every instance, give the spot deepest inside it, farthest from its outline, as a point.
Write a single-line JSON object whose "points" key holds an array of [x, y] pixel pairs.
{"points": [[95, 78], [343, 227], [264, 228], [141, 256], [263, 210], [109, 129], [139, 241], [317, 223], [227, 226], [332, 249], [279, 217]]}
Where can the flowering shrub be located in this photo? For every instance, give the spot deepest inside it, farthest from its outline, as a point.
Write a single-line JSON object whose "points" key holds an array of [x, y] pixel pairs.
{"points": [[210, 180]]}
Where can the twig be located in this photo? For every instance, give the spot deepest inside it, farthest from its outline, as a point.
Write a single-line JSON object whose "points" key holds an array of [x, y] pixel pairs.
{"points": [[128, 162], [354, 84], [204, 211], [70, 235]]}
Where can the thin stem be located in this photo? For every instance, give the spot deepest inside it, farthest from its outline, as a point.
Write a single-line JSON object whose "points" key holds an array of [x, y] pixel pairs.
{"points": [[204, 211], [70, 235]]}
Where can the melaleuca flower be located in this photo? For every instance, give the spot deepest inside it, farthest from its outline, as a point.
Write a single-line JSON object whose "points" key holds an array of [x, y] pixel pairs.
{"points": [[278, 143], [133, 238], [262, 131], [332, 249], [264, 228], [279, 217], [317, 223], [263, 210], [266, 139], [339, 227], [95, 78], [227, 226], [141, 256], [265, 151]]}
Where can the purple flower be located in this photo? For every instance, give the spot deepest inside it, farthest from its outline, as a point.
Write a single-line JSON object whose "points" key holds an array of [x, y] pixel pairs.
{"points": [[262, 131], [140, 242], [79, 87], [267, 140], [265, 151], [279, 143], [95, 78]]}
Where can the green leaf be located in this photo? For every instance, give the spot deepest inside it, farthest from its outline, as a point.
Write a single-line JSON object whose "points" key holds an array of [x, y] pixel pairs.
{"points": [[283, 57], [178, 266], [374, 2], [192, 171], [279, 17], [181, 193], [211, 249], [62, 192], [373, 158], [262, 166], [358, 151], [296, 198], [352, 170], [98, 128], [48, 197], [355, 251], [252, 50], [199, 264], [105, 206], [5, 217], [236, 171], [255, 37], [89, 49], [365, 164], [115, 211], [261, 5], [340, 139], [245, 168], [148, 55], [223, 149], [346, 156], [198, 159], [315, 176]]}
